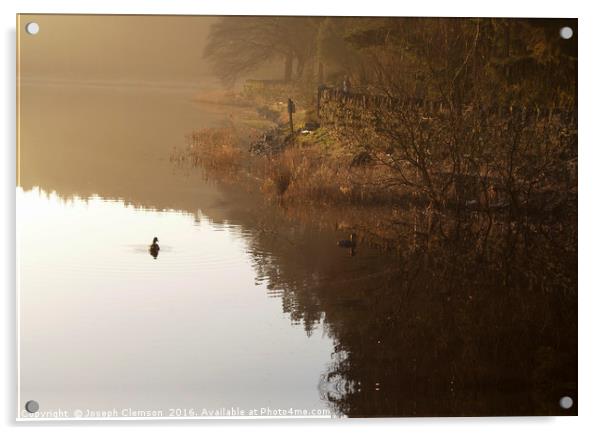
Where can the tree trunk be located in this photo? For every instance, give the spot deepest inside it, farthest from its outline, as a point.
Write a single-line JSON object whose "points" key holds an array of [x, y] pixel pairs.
{"points": [[300, 67], [320, 73], [288, 68]]}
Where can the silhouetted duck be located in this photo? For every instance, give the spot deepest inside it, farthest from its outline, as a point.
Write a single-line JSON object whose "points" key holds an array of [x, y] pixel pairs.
{"points": [[348, 243], [154, 248]]}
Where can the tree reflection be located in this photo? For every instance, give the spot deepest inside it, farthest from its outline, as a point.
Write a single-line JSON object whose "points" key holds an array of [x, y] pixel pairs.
{"points": [[476, 316]]}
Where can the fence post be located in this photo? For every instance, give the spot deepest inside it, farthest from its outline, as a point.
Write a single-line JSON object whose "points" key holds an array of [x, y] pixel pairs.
{"points": [[320, 88], [291, 110]]}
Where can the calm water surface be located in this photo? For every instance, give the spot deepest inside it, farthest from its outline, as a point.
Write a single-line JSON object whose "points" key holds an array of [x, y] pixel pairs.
{"points": [[104, 324], [252, 305]]}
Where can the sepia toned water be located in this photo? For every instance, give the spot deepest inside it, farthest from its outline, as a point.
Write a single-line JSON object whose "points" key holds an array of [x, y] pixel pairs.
{"points": [[103, 323], [245, 307]]}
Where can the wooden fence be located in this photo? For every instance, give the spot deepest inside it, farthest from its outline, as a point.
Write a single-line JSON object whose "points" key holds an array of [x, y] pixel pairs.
{"points": [[360, 100]]}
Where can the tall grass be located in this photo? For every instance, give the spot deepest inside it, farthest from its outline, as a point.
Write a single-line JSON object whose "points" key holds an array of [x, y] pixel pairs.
{"points": [[309, 175], [300, 172], [212, 149]]}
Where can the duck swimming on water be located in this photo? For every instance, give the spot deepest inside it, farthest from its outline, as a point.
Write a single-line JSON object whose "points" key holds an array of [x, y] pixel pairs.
{"points": [[154, 248], [348, 243]]}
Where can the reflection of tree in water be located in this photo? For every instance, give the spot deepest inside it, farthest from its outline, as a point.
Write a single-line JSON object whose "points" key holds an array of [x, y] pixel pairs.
{"points": [[481, 322]]}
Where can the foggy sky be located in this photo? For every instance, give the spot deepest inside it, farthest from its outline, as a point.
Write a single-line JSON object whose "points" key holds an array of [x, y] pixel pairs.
{"points": [[114, 47]]}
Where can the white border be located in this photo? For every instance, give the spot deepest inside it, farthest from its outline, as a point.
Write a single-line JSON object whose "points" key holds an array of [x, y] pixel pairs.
{"points": [[590, 154]]}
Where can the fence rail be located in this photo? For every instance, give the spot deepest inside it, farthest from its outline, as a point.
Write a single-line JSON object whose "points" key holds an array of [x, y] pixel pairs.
{"points": [[332, 95]]}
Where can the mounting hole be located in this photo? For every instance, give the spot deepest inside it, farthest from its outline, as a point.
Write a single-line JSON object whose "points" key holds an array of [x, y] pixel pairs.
{"points": [[32, 28], [566, 402], [566, 33], [32, 406]]}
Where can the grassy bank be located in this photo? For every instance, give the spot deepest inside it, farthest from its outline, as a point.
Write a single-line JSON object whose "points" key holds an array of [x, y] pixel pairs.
{"points": [[357, 179]]}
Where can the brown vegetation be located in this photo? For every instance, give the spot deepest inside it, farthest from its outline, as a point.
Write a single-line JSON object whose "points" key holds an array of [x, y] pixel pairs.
{"points": [[455, 146], [212, 149]]}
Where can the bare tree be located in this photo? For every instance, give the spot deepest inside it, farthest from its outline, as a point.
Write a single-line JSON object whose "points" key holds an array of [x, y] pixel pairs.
{"points": [[239, 45], [465, 114]]}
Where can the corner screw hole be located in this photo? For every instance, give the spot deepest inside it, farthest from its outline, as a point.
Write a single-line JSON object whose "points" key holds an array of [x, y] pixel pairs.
{"points": [[32, 28], [32, 406], [566, 402], [566, 33]]}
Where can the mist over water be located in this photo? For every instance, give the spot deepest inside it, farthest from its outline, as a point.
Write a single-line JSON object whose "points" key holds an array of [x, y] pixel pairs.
{"points": [[113, 326], [242, 308], [249, 303]]}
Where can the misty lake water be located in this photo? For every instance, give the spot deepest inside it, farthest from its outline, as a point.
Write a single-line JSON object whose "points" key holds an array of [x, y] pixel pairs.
{"points": [[104, 324], [245, 307]]}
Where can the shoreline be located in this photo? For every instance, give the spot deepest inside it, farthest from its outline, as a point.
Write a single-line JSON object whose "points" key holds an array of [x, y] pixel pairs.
{"points": [[313, 169]]}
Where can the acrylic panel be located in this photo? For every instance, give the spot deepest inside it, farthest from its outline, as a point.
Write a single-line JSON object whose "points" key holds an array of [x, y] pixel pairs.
{"points": [[265, 216]]}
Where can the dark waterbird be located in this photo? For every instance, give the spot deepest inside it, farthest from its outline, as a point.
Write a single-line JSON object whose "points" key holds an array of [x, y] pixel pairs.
{"points": [[154, 248], [348, 243]]}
